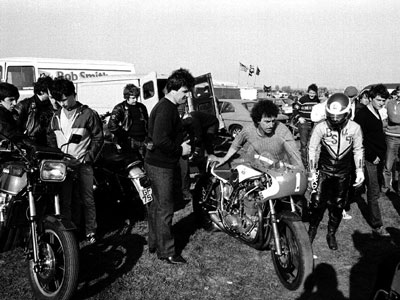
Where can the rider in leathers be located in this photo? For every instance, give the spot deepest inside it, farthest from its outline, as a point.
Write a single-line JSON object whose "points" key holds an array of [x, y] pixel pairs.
{"points": [[340, 140]]}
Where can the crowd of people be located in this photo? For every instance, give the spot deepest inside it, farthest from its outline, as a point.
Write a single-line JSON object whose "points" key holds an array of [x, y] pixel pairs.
{"points": [[345, 139]]}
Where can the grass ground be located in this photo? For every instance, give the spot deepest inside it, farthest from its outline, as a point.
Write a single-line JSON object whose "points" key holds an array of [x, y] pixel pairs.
{"points": [[219, 266]]}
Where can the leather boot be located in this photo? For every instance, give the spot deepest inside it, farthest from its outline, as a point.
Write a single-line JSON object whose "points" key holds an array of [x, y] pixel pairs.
{"points": [[331, 240], [312, 232]]}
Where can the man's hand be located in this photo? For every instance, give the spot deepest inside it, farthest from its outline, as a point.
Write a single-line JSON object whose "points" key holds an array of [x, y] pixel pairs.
{"points": [[376, 161], [359, 178], [186, 148], [220, 160], [301, 120]]}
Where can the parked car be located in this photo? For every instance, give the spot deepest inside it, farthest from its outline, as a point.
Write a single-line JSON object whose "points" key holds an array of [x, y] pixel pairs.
{"points": [[390, 87], [236, 114]]}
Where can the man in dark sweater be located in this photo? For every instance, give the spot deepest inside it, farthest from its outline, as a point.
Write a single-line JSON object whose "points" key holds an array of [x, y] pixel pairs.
{"points": [[302, 116], [375, 149], [162, 164]]}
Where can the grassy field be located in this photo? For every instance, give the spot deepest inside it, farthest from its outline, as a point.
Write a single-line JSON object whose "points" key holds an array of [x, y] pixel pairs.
{"points": [[219, 267]]}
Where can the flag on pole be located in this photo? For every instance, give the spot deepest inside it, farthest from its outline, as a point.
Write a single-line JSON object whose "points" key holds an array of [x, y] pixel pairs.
{"points": [[258, 71], [251, 70], [243, 67]]}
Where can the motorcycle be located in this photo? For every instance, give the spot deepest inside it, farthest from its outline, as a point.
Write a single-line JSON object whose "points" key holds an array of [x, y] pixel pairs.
{"points": [[253, 202], [30, 217]]}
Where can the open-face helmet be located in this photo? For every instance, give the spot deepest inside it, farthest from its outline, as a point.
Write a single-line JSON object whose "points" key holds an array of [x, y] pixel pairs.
{"points": [[338, 109]]}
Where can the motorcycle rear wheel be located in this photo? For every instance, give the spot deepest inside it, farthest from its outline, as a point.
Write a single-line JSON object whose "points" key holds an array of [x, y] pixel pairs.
{"points": [[58, 278], [296, 262]]}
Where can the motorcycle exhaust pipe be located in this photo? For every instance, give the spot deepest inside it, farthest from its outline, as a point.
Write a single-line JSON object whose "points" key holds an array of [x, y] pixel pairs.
{"points": [[216, 220]]}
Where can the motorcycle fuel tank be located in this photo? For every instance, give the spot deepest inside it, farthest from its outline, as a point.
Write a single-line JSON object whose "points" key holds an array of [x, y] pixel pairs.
{"points": [[12, 180]]}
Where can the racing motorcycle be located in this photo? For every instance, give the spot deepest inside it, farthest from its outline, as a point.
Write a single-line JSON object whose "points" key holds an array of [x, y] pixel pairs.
{"points": [[30, 217], [253, 202]]}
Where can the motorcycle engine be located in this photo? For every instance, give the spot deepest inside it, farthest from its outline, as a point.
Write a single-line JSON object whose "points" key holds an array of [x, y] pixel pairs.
{"points": [[241, 214]]}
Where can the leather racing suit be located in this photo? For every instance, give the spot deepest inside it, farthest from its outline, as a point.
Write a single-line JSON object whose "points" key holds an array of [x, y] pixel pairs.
{"points": [[332, 161]]}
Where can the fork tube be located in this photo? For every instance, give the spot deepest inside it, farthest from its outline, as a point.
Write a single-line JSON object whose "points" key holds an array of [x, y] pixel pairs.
{"points": [[275, 228], [32, 217], [292, 206], [57, 204]]}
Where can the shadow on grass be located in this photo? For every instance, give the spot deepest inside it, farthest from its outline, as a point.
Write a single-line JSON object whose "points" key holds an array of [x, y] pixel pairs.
{"points": [[107, 260], [322, 284], [183, 230], [373, 254]]}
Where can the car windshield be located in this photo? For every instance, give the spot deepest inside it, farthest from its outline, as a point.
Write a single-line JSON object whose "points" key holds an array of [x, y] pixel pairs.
{"points": [[248, 105]]}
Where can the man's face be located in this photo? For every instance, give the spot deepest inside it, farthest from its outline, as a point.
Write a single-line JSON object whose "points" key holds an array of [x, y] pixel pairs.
{"points": [[44, 96], [181, 95], [131, 100], [9, 103], [267, 124], [67, 101], [378, 102], [312, 94]]}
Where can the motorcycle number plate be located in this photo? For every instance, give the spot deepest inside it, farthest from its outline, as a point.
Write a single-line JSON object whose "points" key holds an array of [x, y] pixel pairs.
{"points": [[146, 195]]}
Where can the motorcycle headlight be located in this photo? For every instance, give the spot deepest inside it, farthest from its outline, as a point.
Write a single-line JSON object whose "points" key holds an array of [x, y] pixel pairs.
{"points": [[53, 170]]}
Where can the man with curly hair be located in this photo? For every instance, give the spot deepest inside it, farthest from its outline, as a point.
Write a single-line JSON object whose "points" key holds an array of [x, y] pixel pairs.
{"points": [[267, 135]]}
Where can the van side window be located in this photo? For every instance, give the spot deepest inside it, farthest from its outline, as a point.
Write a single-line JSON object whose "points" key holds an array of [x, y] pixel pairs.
{"points": [[1, 72], [22, 77], [148, 90]]}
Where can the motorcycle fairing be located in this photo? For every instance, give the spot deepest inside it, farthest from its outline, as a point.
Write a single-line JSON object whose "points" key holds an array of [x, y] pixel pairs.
{"points": [[245, 172]]}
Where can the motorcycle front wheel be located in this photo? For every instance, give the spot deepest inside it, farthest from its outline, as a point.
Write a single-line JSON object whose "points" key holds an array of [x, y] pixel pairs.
{"points": [[296, 262], [57, 275]]}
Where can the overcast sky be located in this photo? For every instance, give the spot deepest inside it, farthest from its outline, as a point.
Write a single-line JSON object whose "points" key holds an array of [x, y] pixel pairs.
{"points": [[293, 42]]}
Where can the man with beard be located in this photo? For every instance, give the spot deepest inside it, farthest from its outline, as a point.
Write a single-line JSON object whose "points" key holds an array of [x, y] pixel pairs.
{"points": [[266, 136]]}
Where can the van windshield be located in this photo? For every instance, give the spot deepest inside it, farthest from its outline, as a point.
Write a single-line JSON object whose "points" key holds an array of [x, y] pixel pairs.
{"points": [[21, 76]]}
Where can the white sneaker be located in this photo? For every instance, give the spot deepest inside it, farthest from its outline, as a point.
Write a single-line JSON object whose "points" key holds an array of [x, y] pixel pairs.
{"points": [[346, 216]]}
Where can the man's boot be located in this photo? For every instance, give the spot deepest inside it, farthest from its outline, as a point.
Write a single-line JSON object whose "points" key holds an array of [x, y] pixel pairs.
{"points": [[312, 232], [331, 239]]}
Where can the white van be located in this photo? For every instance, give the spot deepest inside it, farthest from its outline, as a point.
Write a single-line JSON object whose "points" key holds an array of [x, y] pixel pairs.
{"points": [[24, 71], [103, 93]]}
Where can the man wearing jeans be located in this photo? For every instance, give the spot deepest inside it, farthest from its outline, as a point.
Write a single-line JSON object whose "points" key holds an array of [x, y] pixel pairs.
{"points": [[392, 132], [162, 164], [302, 115], [375, 150], [76, 130]]}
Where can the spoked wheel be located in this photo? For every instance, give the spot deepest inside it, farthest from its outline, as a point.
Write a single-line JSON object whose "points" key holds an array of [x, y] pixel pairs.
{"points": [[296, 261], [56, 276], [235, 130]]}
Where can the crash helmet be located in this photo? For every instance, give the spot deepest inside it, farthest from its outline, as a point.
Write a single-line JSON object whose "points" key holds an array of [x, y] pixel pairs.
{"points": [[338, 111]]}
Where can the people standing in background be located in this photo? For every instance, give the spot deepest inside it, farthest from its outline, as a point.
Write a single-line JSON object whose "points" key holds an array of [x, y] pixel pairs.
{"points": [[128, 121], [392, 132], [162, 164], [302, 115], [374, 142], [334, 144], [35, 113], [318, 110], [77, 130]]}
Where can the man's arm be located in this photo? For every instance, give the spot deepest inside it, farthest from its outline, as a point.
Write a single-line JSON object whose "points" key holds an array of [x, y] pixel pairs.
{"points": [[95, 126]]}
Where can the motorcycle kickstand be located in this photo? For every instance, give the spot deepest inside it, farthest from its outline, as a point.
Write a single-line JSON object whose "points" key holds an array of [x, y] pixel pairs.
{"points": [[275, 228]]}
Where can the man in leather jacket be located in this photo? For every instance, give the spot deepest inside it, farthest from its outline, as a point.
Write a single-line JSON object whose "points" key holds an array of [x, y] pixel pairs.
{"points": [[340, 140], [128, 121], [34, 113], [8, 98]]}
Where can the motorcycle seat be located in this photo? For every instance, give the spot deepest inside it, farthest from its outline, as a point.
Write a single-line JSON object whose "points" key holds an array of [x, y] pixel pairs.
{"points": [[117, 161]]}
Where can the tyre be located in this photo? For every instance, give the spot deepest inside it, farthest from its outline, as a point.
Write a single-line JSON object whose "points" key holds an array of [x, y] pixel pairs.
{"points": [[296, 262], [57, 275], [234, 130]]}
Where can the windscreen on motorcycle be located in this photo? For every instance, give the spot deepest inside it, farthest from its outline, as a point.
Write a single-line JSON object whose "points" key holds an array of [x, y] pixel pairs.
{"points": [[292, 180]]}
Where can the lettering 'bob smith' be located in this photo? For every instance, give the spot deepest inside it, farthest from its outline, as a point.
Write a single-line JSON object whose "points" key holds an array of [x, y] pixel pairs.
{"points": [[75, 76]]}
